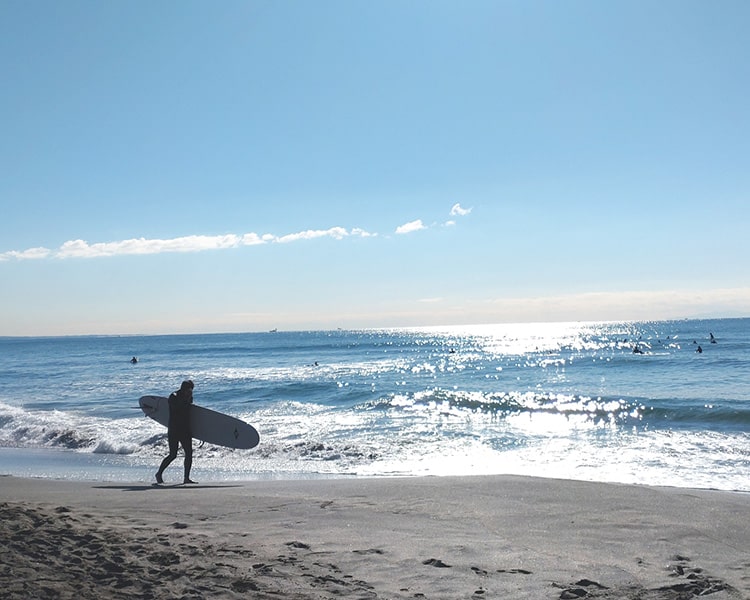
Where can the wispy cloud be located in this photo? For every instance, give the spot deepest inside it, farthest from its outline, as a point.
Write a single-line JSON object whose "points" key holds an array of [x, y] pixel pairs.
{"points": [[337, 233], [458, 211], [410, 227], [191, 243], [200, 243], [30, 254]]}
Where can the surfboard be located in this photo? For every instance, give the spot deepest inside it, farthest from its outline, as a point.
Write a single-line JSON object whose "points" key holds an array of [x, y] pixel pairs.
{"points": [[206, 425]]}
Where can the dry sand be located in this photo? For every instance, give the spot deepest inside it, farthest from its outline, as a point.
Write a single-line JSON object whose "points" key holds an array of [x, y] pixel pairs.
{"points": [[469, 537]]}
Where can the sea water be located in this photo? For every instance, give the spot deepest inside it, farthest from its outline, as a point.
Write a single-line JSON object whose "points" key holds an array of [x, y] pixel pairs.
{"points": [[569, 400]]}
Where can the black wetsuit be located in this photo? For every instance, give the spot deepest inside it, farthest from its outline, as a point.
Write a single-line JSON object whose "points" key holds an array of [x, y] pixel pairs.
{"points": [[179, 433]]}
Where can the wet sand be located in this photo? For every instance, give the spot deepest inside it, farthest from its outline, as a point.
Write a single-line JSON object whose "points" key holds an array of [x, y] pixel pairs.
{"points": [[453, 537]]}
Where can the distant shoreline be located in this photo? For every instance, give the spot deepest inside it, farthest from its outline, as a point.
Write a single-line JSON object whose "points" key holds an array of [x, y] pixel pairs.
{"points": [[261, 331]]}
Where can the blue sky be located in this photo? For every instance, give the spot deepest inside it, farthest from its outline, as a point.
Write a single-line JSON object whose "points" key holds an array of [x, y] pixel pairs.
{"points": [[241, 166]]}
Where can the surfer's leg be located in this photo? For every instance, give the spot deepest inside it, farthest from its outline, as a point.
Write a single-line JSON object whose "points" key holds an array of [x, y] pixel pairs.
{"points": [[187, 446], [173, 446]]}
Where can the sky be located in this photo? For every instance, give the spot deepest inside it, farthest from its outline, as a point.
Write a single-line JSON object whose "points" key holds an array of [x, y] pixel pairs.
{"points": [[178, 167]]}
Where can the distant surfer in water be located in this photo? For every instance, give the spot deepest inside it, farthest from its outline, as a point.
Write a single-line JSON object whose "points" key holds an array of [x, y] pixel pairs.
{"points": [[179, 430]]}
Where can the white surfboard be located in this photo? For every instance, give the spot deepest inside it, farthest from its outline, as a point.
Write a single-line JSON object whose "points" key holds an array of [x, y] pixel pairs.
{"points": [[205, 424]]}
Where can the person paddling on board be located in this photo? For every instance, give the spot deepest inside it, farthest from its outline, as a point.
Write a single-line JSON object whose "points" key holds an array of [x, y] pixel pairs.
{"points": [[179, 430]]}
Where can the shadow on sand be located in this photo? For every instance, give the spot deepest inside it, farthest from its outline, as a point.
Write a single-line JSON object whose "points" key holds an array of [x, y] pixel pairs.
{"points": [[155, 486]]}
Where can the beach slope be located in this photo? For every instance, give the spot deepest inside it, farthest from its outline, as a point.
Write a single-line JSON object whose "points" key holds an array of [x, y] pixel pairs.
{"points": [[452, 537]]}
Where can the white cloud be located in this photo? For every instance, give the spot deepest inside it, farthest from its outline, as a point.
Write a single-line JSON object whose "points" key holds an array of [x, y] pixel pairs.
{"points": [[191, 243], [30, 254], [253, 239], [337, 233], [410, 227], [458, 210]]}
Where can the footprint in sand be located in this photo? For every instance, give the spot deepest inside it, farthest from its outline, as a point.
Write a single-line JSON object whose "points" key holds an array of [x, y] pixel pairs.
{"points": [[436, 562], [515, 571], [580, 590]]}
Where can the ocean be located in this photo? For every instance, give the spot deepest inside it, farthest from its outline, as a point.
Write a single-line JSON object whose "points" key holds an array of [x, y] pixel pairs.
{"points": [[564, 400]]}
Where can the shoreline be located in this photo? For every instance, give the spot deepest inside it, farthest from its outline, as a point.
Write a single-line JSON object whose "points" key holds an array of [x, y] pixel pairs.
{"points": [[59, 464], [417, 537]]}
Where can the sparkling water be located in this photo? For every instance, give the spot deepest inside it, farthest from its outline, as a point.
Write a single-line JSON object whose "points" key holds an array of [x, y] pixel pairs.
{"points": [[631, 402]]}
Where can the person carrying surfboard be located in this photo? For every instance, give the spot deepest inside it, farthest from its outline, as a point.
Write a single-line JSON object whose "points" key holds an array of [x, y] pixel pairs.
{"points": [[179, 433]]}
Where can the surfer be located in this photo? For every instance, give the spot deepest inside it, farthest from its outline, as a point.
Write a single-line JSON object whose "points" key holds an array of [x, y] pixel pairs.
{"points": [[134, 360], [179, 430]]}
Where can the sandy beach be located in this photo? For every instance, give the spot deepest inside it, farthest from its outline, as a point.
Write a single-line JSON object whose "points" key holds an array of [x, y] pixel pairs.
{"points": [[465, 537]]}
